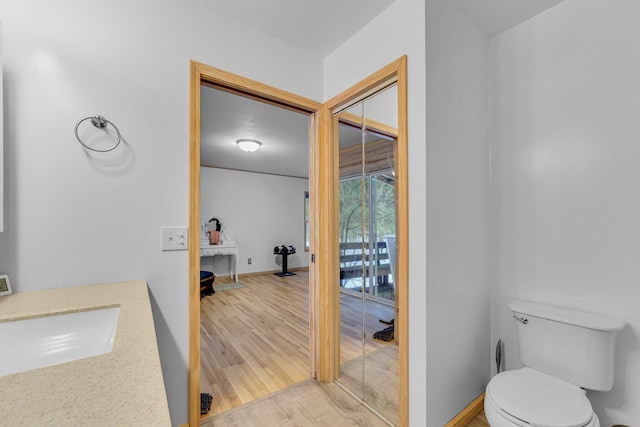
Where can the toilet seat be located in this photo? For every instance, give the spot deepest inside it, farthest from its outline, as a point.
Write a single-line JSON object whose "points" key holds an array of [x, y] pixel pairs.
{"points": [[539, 400]]}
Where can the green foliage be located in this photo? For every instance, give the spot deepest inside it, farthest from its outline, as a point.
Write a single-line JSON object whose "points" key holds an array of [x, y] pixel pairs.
{"points": [[354, 221]]}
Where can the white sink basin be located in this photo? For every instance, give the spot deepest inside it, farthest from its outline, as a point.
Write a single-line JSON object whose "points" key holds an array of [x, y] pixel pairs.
{"points": [[45, 341]]}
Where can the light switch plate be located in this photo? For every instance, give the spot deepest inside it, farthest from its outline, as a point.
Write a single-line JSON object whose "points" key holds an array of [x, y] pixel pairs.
{"points": [[175, 238]]}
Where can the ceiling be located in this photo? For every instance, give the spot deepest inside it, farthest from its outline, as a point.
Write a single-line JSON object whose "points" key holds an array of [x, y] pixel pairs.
{"points": [[284, 135], [315, 26], [320, 26], [495, 16], [227, 117], [303, 23]]}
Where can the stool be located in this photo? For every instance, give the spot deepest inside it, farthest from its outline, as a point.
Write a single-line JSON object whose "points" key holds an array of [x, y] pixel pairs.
{"points": [[206, 283]]}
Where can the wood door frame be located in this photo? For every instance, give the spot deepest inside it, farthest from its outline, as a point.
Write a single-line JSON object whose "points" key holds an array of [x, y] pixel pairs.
{"points": [[205, 74], [328, 271]]}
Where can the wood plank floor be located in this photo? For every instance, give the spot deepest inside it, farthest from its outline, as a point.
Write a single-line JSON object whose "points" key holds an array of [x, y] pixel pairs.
{"points": [[376, 381], [479, 421], [255, 358], [331, 406], [351, 326], [254, 340], [309, 404], [381, 380]]}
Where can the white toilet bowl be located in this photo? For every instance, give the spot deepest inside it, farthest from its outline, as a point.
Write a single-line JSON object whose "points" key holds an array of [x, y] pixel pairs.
{"points": [[550, 391], [528, 398]]}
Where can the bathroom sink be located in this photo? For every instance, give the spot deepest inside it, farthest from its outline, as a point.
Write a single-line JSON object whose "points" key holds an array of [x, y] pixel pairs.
{"points": [[45, 341]]}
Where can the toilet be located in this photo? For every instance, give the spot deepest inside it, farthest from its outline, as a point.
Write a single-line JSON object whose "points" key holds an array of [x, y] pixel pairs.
{"points": [[565, 352]]}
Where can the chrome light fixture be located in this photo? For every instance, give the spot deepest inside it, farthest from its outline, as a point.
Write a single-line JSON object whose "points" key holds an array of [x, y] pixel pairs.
{"points": [[248, 145]]}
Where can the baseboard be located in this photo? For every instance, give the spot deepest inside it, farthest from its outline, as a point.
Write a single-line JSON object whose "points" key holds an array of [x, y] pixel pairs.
{"points": [[467, 414], [257, 273]]}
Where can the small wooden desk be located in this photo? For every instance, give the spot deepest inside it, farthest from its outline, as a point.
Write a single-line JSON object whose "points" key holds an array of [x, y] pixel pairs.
{"points": [[229, 250]]}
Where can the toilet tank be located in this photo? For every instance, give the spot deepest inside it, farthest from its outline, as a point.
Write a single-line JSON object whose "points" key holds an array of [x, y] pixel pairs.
{"points": [[572, 345]]}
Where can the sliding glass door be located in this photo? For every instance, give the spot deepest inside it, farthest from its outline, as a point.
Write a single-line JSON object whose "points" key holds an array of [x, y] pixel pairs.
{"points": [[371, 238]]}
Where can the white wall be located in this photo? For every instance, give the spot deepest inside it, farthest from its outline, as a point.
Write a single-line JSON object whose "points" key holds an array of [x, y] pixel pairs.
{"points": [[1, 141], [458, 225], [565, 131], [259, 212], [75, 218]]}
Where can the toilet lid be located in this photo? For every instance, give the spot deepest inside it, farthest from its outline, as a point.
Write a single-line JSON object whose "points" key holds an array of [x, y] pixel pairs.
{"points": [[539, 399]]}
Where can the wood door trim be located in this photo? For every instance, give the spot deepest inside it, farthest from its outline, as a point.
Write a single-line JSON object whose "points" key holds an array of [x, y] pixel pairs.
{"points": [[328, 246], [243, 85], [402, 255], [194, 236], [372, 125], [468, 413], [199, 74]]}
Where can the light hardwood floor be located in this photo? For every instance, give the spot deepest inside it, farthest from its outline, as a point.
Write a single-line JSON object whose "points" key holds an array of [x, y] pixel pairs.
{"points": [[255, 340], [378, 387], [331, 406], [375, 381], [479, 421], [351, 326], [255, 358], [309, 404]]}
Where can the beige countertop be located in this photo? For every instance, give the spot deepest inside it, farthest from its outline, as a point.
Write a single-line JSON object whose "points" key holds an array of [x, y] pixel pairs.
{"points": [[121, 388]]}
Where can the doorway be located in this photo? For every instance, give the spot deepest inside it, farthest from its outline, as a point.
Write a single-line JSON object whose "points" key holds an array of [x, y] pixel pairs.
{"points": [[371, 262], [324, 293], [254, 332], [202, 74]]}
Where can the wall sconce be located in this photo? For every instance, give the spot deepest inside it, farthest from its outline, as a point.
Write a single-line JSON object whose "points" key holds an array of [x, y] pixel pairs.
{"points": [[248, 145]]}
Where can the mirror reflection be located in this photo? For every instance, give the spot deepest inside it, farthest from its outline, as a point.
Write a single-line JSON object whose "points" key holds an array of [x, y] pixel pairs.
{"points": [[367, 213]]}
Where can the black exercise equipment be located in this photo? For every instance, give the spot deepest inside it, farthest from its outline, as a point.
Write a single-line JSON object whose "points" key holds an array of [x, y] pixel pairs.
{"points": [[285, 251]]}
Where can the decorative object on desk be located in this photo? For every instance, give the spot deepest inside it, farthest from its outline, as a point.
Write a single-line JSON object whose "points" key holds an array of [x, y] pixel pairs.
{"points": [[230, 286], [213, 228], [285, 251], [5, 286], [214, 237]]}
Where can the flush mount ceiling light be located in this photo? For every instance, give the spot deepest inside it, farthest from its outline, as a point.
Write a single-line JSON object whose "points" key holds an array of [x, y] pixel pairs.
{"points": [[248, 145]]}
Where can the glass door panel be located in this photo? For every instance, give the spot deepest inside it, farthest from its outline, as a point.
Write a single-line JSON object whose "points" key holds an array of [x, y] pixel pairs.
{"points": [[367, 215], [381, 350], [353, 238]]}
